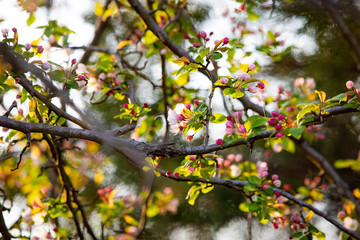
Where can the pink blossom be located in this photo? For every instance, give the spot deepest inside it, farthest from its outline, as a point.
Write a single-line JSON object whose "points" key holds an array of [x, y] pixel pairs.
{"points": [[224, 80], [252, 89], [180, 117], [229, 124], [273, 121], [202, 34], [229, 131], [191, 169], [242, 128], [73, 61], [275, 177], [196, 45], [192, 158], [279, 135], [238, 114], [196, 102], [278, 127], [281, 117], [351, 223], [40, 49], [299, 82], [186, 36], [235, 171], [188, 106], [226, 40], [244, 76], [238, 157], [277, 183], [261, 85], [341, 214], [219, 141], [266, 187], [251, 67], [349, 85], [176, 174], [27, 46], [231, 157], [310, 83]]}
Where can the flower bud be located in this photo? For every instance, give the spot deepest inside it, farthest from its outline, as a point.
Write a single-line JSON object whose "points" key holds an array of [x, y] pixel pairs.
{"points": [[146, 105], [176, 174], [224, 80], [219, 141], [14, 30], [266, 187], [45, 66], [238, 114], [188, 106], [196, 102], [196, 45], [73, 61], [192, 158], [279, 135], [27, 46], [202, 34], [40, 49], [349, 85], [186, 36], [261, 85], [278, 127], [226, 40], [251, 67], [275, 177]]}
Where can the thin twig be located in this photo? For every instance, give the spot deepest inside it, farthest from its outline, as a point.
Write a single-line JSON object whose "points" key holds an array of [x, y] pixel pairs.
{"points": [[28, 136], [166, 104]]}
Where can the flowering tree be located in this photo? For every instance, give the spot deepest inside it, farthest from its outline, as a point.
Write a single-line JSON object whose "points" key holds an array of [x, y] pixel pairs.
{"points": [[57, 149]]}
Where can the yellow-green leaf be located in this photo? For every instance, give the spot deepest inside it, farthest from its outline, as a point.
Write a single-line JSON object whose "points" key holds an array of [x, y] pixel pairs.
{"points": [[309, 216], [305, 110], [130, 220], [32, 107], [182, 79], [322, 95], [99, 9], [123, 44]]}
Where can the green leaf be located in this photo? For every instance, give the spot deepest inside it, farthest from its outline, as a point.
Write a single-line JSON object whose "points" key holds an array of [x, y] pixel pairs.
{"points": [[297, 235], [237, 94], [57, 75], [350, 105], [228, 91], [193, 194], [254, 207], [307, 109], [72, 84], [31, 19], [203, 52], [297, 131], [218, 118], [339, 98], [316, 232], [288, 144], [250, 188], [254, 180], [216, 55]]}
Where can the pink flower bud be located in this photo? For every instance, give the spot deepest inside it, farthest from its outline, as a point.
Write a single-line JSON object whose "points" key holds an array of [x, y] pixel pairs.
{"points": [[102, 76], [191, 169], [73, 61], [188, 106], [279, 135], [180, 117], [274, 177], [196, 45], [20, 111], [146, 105], [252, 89], [287, 187], [229, 131], [176, 174], [278, 127], [229, 124], [275, 225], [245, 77], [242, 128], [101, 192], [341, 214], [283, 218], [219, 141], [226, 40], [274, 114], [27, 46], [251, 67], [202, 34], [264, 174], [350, 85], [40, 49], [81, 77], [238, 114], [224, 80], [168, 173], [281, 117], [192, 158], [186, 36], [277, 183], [14, 30], [261, 85], [126, 105], [189, 137], [242, 7], [196, 102], [273, 121], [229, 118], [266, 187]]}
